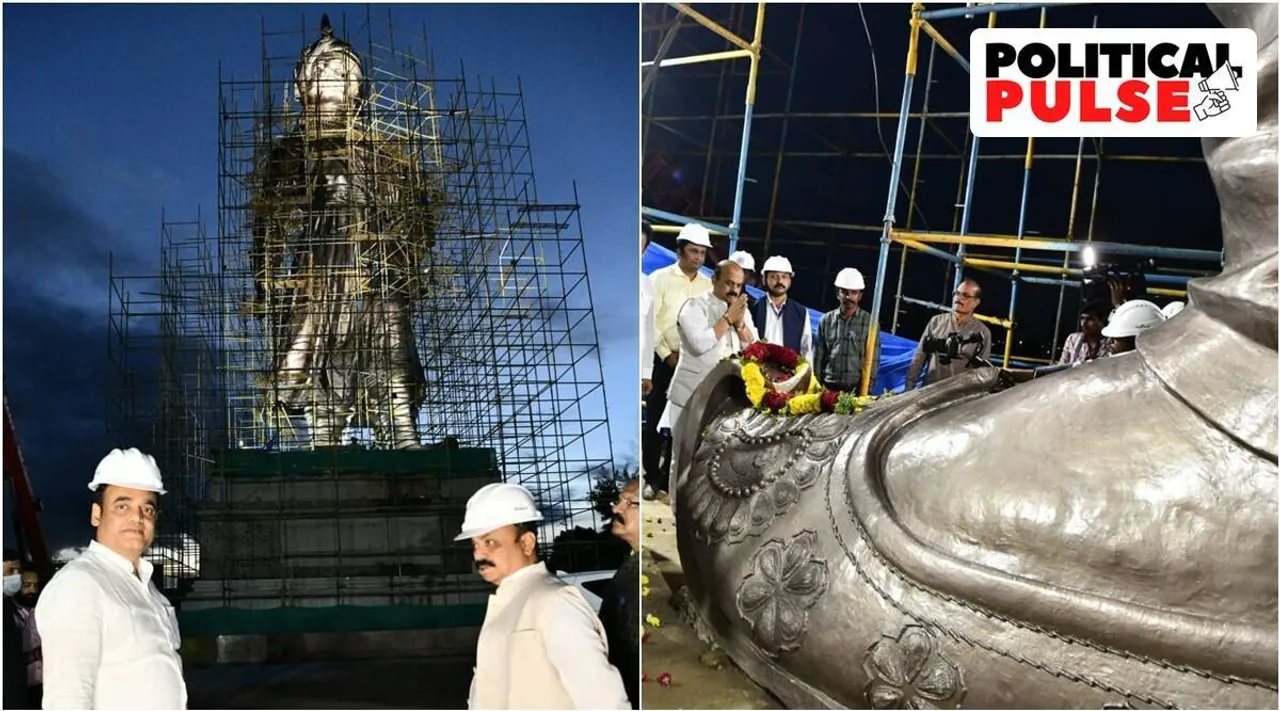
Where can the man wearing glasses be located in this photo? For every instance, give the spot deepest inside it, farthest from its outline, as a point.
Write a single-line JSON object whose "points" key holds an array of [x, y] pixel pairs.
{"points": [[620, 607], [960, 321]]}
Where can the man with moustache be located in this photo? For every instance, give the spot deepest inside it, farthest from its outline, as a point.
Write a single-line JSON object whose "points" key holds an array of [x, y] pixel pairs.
{"points": [[841, 348], [965, 301], [541, 646], [712, 326], [620, 608], [110, 639], [672, 286], [781, 320]]}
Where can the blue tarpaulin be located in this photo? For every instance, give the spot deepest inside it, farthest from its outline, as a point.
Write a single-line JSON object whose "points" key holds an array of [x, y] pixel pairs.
{"points": [[895, 352]]}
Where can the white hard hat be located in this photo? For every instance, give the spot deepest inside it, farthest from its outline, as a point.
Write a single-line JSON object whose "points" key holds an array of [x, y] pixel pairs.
{"points": [[495, 506], [851, 279], [777, 264], [1132, 318], [129, 468], [694, 234], [744, 260], [1172, 308]]}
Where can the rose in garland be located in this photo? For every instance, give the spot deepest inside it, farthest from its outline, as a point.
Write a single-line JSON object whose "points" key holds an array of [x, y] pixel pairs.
{"points": [[757, 351], [828, 400], [774, 401], [784, 357]]}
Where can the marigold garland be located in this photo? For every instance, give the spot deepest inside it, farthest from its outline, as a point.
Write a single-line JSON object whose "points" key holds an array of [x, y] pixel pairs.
{"points": [[814, 400], [753, 377]]}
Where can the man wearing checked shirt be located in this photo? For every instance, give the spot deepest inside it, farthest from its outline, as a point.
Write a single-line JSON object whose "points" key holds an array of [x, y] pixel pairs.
{"points": [[841, 347]]}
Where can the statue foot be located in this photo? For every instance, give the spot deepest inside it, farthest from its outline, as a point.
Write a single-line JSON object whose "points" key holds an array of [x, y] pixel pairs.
{"points": [[944, 549]]}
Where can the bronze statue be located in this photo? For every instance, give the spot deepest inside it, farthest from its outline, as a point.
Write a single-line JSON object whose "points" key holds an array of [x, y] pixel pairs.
{"points": [[1105, 538], [342, 217]]}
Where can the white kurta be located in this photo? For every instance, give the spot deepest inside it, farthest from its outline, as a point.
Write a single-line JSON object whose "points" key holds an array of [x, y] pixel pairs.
{"points": [[574, 643], [110, 639], [648, 331]]}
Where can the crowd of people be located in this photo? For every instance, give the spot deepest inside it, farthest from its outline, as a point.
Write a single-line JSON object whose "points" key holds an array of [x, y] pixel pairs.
{"points": [[690, 322]]}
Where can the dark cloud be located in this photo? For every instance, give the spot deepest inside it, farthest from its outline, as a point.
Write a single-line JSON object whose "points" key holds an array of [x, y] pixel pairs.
{"points": [[57, 374]]}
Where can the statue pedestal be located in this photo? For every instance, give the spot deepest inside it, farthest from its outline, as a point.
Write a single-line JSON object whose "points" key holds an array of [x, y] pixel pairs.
{"points": [[313, 554]]}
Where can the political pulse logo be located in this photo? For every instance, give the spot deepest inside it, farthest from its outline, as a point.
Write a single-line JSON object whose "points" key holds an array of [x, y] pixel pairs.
{"points": [[1140, 83]]}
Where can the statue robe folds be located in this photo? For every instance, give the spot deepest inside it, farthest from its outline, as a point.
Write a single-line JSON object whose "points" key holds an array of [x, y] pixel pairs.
{"points": [[336, 282], [1105, 538]]}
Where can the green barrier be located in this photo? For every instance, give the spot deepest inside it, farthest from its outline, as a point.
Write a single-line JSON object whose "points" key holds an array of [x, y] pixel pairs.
{"points": [[318, 620], [254, 463]]}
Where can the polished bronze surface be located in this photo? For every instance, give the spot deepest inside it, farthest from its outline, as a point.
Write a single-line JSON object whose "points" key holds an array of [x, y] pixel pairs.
{"points": [[1104, 538]]}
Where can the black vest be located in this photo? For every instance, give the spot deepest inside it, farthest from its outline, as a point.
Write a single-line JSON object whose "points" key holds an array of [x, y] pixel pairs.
{"points": [[795, 318]]}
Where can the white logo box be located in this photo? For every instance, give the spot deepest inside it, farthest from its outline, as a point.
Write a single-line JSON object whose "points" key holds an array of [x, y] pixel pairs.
{"points": [[1213, 92]]}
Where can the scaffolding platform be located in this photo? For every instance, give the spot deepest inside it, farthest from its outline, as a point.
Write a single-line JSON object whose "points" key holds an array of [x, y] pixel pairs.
{"points": [[254, 464], [319, 494]]}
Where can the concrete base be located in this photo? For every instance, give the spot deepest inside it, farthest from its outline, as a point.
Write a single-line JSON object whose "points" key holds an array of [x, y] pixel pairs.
{"points": [[451, 642]]}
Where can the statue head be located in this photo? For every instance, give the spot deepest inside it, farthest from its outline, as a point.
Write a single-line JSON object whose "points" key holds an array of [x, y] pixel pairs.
{"points": [[329, 79]]}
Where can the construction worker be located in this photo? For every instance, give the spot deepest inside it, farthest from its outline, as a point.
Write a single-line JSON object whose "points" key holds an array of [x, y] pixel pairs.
{"points": [[841, 348], [110, 639], [672, 286], [781, 320], [1128, 320], [541, 646]]}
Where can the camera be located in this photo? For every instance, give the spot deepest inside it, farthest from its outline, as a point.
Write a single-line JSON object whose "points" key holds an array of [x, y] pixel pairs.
{"points": [[1095, 283], [948, 349]]}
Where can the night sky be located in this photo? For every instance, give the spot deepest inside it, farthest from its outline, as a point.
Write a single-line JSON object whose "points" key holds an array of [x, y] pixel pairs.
{"points": [[1167, 204], [111, 115]]}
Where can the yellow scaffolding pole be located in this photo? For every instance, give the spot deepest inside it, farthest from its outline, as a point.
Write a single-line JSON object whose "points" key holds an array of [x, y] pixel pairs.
{"points": [[921, 241], [746, 50]]}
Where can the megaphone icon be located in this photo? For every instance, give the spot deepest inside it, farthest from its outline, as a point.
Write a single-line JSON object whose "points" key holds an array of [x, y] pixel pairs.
{"points": [[1222, 79]]}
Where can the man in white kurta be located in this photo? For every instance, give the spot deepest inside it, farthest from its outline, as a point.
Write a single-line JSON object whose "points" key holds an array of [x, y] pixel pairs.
{"points": [[541, 645], [110, 639], [713, 326]]}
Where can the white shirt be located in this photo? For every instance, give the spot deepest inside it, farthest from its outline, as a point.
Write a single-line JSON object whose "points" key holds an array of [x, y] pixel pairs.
{"points": [[579, 654], [773, 329], [671, 288], [110, 639], [648, 334]]}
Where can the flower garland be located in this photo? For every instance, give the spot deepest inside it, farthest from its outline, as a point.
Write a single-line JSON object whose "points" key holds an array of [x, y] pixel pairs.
{"points": [[787, 362]]}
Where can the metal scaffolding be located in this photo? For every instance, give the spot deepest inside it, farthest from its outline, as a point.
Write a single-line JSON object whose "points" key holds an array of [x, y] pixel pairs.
{"points": [[662, 32], [499, 312]]}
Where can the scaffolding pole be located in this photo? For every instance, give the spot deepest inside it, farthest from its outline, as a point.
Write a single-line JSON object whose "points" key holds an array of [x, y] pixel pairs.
{"points": [[746, 50], [802, 232], [895, 171]]}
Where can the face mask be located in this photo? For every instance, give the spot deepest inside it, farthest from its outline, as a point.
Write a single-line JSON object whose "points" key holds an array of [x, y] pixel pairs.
{"points": [[12, 584]]}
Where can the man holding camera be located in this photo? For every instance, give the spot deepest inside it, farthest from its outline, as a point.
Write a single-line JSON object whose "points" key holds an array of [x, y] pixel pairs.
{"points": [[974, 336]]}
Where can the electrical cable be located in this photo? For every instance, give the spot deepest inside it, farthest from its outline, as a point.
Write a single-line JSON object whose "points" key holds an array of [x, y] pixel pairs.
{"points": [[875, 79]]}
